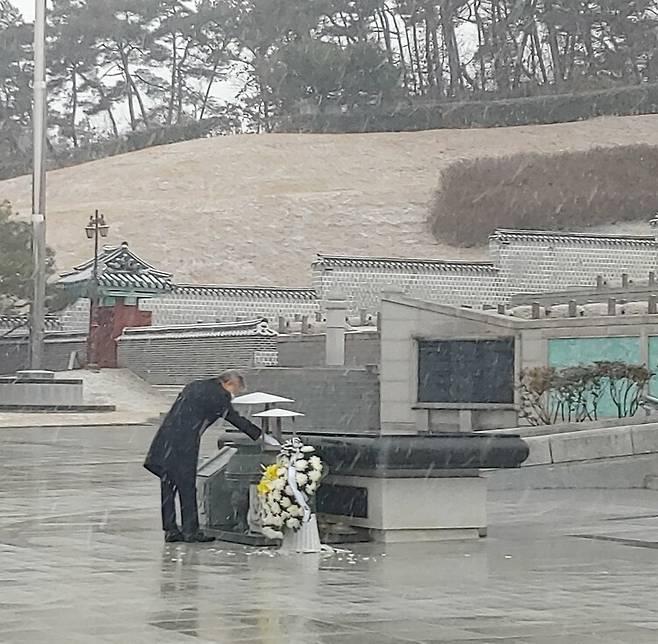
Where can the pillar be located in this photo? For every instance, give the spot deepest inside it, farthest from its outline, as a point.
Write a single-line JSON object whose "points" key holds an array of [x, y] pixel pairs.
{"points": [[336, 306]]}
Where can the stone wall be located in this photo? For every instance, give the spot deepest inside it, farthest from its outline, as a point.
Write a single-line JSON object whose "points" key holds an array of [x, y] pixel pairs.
{"points": [[75, 318], [333, 399], [363, 279], [189, 304], [177, 355], [542, 261], [361, 349], [521, 261], [14, 352]]}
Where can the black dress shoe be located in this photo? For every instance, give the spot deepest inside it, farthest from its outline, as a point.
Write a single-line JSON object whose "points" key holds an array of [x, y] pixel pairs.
{"points": [[173, 536], [198, 537]]}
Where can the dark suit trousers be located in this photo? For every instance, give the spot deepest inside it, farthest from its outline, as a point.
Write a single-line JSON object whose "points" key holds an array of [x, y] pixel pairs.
{"points": [[185, 489]]}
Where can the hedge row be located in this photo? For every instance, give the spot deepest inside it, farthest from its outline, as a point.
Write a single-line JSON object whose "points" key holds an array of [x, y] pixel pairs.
{"points": [[130, 142], [557, 191], [560, 108]]}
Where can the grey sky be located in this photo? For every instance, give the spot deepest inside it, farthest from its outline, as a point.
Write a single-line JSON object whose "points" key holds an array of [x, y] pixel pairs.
{"points": [[26, 8]]}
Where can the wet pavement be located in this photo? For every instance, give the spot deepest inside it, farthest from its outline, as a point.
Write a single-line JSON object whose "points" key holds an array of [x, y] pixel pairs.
{"points": [[82, 560]]}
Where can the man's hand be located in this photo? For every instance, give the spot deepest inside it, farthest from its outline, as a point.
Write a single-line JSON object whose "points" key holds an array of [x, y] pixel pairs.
{"points": [[269, 440]]}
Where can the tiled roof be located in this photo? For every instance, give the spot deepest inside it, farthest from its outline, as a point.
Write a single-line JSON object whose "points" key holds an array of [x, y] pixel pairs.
{"points": [[504, 235], [247, 291], [257, 327], [51, 323], [147, 280], [405, 264], [119, 267]]}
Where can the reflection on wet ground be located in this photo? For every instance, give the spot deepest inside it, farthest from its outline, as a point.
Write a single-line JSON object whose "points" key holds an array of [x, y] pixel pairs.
{"points": [[82, 560]]}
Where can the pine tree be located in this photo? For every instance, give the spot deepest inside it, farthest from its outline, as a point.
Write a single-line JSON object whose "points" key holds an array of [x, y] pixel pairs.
{"points": [[16, 264]]}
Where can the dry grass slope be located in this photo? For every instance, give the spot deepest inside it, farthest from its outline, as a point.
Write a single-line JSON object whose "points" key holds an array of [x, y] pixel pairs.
{"points": [[557, 191], [257, 209]]}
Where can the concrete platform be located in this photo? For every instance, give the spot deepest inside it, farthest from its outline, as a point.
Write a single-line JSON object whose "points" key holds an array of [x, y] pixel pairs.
{"points": [[82, 561]]}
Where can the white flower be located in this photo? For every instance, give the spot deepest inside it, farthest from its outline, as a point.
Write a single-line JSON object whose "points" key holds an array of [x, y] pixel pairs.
{"points": [[315, 462], [281, 471], [301, 479], [293, 523], [275, 508], [311, 488], [315, 476], [307, 449], [279, 485], [272, 534], [285, 502], [288, 490], [301, 465], [294, 510], [277, 521], [300, 512], [276, 495]]}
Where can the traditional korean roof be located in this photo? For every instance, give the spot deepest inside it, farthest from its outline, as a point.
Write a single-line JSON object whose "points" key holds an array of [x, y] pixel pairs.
{"points": [[7, 322], [119, 268], [257, 327], [547, 236], [246, 291], [398, 263]]}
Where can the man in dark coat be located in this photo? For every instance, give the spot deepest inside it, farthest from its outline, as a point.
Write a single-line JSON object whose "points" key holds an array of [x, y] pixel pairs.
{"points": [[174, 452]]}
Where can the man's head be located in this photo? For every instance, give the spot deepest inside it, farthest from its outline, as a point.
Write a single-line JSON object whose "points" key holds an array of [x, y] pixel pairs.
{"points": [[233, 381]]}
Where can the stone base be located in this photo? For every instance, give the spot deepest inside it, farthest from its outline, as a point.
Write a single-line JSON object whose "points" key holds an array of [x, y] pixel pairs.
{"points": [[40, 392], [245, 539], [417, 536], [63, 409], [413, 509]]}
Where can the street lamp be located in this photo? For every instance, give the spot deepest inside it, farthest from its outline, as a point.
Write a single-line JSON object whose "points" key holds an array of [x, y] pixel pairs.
{"points": [[96, 228]]}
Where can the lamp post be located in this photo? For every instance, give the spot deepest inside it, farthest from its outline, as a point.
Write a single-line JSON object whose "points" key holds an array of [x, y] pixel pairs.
{"points": [[96, 228], [38, 308]]}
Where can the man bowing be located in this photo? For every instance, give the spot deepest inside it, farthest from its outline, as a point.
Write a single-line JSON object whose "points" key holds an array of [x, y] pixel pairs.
{"points": [[174, 452]]}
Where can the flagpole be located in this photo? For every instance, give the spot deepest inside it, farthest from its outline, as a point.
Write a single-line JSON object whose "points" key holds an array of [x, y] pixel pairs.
{"points": [[39, 188]]}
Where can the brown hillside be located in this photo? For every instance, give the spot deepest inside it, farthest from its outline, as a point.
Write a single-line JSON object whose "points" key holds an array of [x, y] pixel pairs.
{"points": [[256, 209]]}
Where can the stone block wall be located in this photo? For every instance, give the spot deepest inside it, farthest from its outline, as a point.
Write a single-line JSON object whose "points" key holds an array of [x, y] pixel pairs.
{"points": [[539, 261], [363, 279], [361, 349], [521, 262], [177, 356], [195, 304], [333, 399], [75, 318]]}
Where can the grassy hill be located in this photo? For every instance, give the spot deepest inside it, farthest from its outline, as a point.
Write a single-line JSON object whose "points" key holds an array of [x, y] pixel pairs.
{"points": [[256, 209]]}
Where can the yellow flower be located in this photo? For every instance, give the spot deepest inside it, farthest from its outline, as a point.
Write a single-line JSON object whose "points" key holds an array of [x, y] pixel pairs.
{"points": [[269, 476], [263, 487], [270, 472]]}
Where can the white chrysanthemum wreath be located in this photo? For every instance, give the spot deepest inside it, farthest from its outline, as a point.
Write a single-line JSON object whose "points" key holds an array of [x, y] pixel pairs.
{"points": [[286, 488]]}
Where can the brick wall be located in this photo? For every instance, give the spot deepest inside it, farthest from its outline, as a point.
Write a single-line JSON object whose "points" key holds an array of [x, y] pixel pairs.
{"points": [[520, 262], [361, 349], [164, 358], [363, 280], [14, 352], [190, 305], [551, 262], [334, 399], [75, 318]]}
